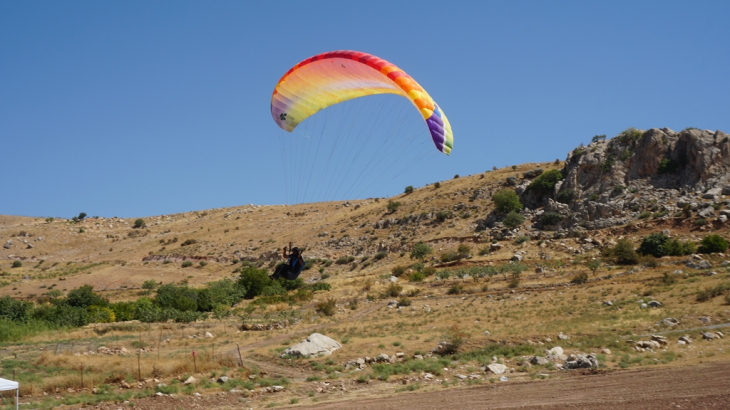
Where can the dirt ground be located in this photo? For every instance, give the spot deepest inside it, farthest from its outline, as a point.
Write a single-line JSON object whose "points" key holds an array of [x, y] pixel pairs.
{"points": [[703, 386]]}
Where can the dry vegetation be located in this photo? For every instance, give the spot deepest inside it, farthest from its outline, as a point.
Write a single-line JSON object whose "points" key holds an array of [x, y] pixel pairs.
{"points": [[489, 313]]}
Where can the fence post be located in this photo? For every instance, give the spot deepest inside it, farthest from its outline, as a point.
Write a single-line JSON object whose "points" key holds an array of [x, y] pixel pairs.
{"points": [[195, 363], [139, 371], [82, 374], [240, 359]]}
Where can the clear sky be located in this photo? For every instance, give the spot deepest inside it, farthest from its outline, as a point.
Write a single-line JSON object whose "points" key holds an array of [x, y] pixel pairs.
{"points": [[139, 108]]}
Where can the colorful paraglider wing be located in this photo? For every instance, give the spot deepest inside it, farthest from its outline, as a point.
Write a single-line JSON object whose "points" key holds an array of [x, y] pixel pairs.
{"points": [[330, 78]]}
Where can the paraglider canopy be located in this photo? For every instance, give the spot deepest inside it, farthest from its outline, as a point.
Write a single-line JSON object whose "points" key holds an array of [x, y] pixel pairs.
{"points": [[330, 78]]}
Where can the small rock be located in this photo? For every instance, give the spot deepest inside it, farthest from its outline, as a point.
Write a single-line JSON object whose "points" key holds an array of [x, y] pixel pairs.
{"points": [[190, 380], [606, 351], [277, 388], [497, 368], [208, 335], [654, 304], [607, 303], [223, 379], [561, 336]]}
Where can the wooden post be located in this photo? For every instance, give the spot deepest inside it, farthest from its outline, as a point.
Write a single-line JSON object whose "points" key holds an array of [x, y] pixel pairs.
{"points": [[82, 375], [240, 359], [212, 348], [139, 371], [195, 363], [56, 353]]}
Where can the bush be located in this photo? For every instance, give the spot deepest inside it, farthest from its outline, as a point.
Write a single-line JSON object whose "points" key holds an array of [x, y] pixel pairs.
{"points": [[441, 216], [713, 244], [623, 253], [513, 220], [545, 183], [464, 249], [393, 206], [398, 270], [253, 281], [550, 218], [187, 264], [675, 247], [344, 260], [437, 185], [408, 190], [189, 242], [417, 277], [629, 136], [521, 239], [449, 256], [644, 215], [181, 298], [598, 138], [580, 278], [380, 255], [456, 289], [327, 308], [506, 200], [404, 301], [667, 166], [139, 223], [654, 245], [701, 221], [17, 264], [393, 290], [84, 297], [566, 196], [149, 284], [420, 251]]}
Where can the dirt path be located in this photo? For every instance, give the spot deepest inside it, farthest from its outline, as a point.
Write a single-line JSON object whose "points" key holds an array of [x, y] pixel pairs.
{"points": [[704, 386]]}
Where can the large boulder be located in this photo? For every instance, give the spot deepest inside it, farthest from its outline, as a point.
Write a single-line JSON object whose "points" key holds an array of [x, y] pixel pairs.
{"points": [[314, 345], [497, 368]]}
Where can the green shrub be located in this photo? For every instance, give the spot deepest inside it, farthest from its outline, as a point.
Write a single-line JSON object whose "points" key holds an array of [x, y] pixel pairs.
{"points": [[521, 239], [420, 251], [623, 253], [327, 307], [149, 284], [187, 264], [644, 215], [344, 260], [202, 263], [253, 281], [456, 289], [380, 255], [417, 277], [545, 183], [550, 218], [398, 270], [189, 242], [700, 221], [17, 264], [139, 223], [713, 244], [393, 206], [408, 190], [441, 216], [580, 278], [566, 196], [598, 138], [593, 197], [464, 249], [393, 290], [629, 136], [675, 247], [437, 185], [450, 256], [404, 301], [506, 200], [608, 163], [667, 166], [513, 220], [654, 245]]}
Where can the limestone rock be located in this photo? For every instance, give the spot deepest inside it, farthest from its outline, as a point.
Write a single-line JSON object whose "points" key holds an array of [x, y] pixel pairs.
{"points": [[497, 368], [314, 345]]}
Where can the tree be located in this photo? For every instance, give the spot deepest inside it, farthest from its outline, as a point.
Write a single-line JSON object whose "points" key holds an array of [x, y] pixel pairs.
{"points": [[623, 253], [81, 216], [253, 281], [180, 298], [598, 138], [506, 200], [408, 190], [420, 251], [593, 265], [513, 220], [139, 223]]}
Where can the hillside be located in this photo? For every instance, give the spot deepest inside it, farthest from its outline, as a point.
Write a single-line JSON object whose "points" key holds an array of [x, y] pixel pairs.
{"points": [[501, 286]]}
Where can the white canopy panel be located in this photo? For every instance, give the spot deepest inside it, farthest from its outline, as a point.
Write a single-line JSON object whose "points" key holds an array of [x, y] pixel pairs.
{"points": [[8, 385]]}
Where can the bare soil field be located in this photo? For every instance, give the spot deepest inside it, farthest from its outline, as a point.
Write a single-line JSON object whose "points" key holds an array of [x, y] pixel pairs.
{"points": [[703, 386]]}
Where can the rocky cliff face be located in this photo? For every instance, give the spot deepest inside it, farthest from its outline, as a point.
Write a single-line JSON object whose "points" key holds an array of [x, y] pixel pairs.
{"points": [[658, 170]]}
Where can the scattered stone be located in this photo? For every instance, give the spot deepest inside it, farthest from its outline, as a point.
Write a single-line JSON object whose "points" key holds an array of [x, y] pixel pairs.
{"points": [[223, 379], [486, 333], [443, 347], [561, 336], [607, 303], [699, 265], [276, 389], [606, 351], [208, 335], [704, 319], [497, 368], [581, 361], [190, 380], [654, 304], [685, 339], [314, 345], [670, 321], [539, 360]]}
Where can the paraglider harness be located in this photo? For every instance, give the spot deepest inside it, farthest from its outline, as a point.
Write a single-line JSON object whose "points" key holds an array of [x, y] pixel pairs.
{"points": [[292, 268]]}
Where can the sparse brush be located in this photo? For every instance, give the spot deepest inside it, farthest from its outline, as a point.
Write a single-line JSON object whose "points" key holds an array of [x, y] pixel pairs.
{"points": [[327, 308]]}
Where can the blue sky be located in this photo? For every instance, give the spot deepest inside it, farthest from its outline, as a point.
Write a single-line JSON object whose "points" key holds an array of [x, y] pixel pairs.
{"points": [[144, 108]]}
